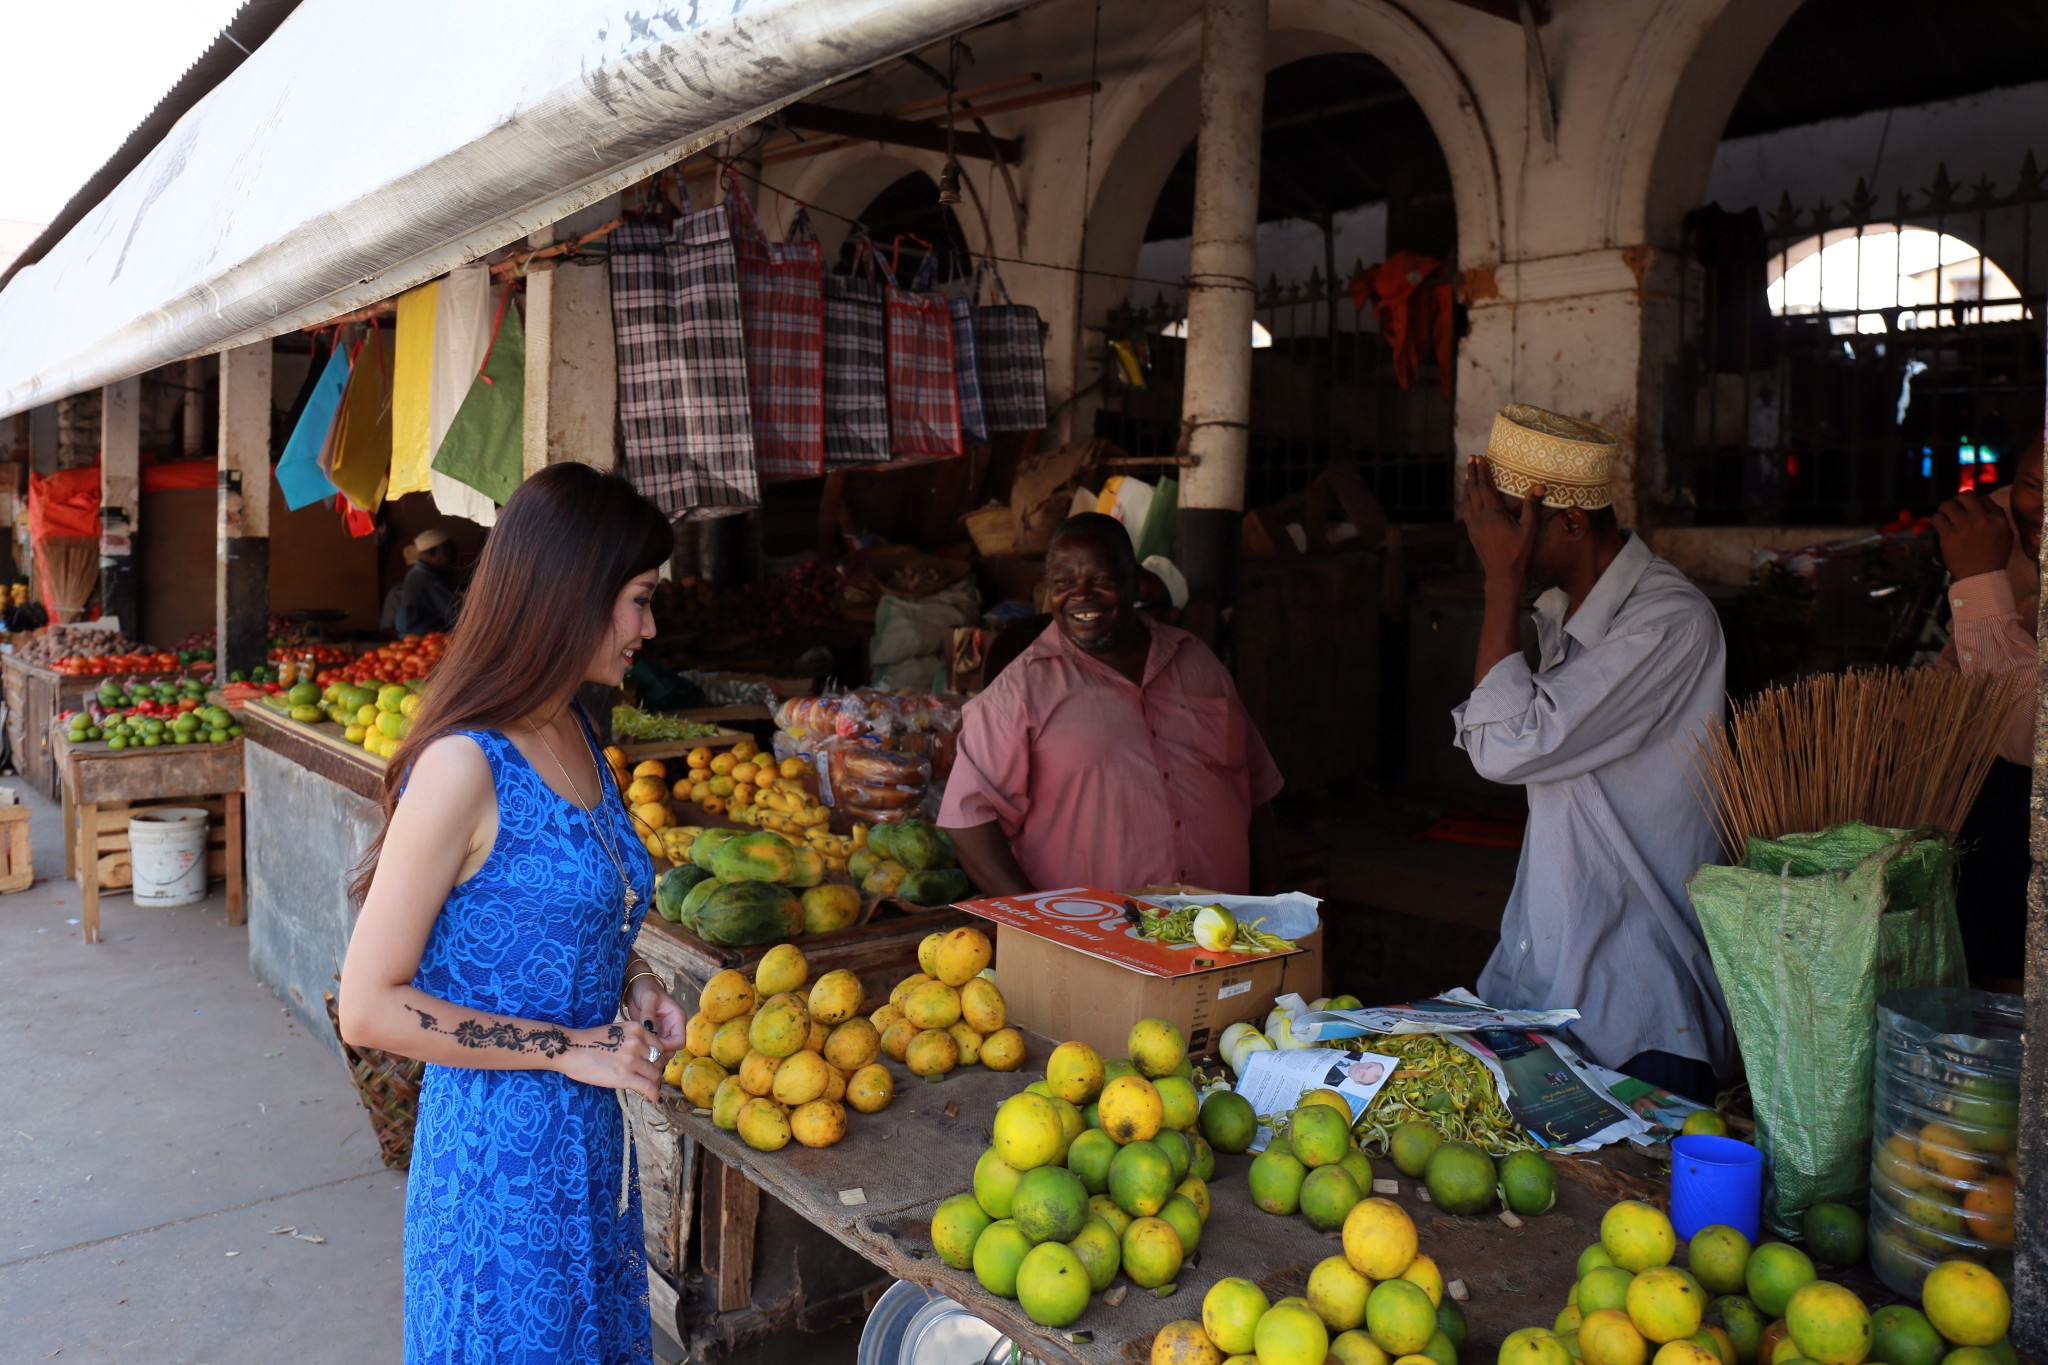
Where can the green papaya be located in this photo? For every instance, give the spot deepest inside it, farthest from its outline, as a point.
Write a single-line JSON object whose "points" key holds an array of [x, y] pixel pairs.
{"points": [[745, 914], [934, 886], [921, 846], [881, 838], [672, 887], [863, 861], [884, 879], [763, 856], [708, 843], [694, 901]]}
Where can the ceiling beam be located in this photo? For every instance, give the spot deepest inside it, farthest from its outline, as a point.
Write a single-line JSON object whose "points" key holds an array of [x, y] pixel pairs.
{"points": [[896, 132]]}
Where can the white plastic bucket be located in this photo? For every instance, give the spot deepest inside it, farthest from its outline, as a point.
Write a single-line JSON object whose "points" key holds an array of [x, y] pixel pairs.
{"points": [[167, 849]]}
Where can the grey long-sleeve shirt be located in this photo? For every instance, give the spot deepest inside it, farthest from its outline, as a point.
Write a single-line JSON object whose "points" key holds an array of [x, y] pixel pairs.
{"points": [[1599, 918]]}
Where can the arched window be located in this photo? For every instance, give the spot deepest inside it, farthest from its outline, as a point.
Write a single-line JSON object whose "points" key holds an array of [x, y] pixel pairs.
{"points": [[1882, 278]]}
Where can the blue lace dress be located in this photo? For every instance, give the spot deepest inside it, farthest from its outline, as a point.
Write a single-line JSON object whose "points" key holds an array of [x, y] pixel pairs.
{"points": [[516, 1249]]}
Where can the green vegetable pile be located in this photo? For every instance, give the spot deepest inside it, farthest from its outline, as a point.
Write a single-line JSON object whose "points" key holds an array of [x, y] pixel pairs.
{"points": [[1445, 1087], [630, 722], [1178, 926]]}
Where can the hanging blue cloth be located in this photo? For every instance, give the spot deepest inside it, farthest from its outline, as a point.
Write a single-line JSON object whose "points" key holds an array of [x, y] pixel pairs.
{"points": [[298, 469]]}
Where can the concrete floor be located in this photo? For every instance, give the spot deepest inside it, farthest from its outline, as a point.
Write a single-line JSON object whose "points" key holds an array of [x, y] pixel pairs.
{"points": [[163, 1121]]}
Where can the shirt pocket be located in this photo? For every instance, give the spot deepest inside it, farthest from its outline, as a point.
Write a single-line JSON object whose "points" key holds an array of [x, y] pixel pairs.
{"points": [[1206, 734]]}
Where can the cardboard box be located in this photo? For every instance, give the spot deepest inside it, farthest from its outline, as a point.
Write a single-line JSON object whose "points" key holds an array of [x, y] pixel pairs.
{"points": [[1069, 991]]}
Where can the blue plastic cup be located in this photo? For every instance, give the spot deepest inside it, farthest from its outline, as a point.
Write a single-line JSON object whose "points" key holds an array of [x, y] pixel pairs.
{"points": [[1716, 1180]]}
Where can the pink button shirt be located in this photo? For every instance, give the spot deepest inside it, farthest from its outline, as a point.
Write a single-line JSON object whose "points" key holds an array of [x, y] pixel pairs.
{"points": [[1099, 782]]}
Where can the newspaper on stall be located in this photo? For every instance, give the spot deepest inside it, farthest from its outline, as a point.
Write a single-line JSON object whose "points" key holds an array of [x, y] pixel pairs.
{"points": [[1274, 1082], [1563, 1101]]}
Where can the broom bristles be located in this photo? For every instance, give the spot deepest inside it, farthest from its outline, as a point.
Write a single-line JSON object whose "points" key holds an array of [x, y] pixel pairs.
{"points": [[71, 571], [1886, 747]]}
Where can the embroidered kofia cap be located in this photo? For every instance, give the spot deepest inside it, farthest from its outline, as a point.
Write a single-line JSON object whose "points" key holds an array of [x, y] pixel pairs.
{"points": [[1573, 460]]}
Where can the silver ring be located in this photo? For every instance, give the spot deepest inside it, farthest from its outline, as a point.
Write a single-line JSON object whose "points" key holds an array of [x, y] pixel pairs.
{"points": [[653, 1053]]}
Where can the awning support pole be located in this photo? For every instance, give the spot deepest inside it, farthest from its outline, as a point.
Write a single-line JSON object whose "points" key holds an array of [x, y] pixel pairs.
{"points": [[1222, 280], [242, 582], [120, 501]]}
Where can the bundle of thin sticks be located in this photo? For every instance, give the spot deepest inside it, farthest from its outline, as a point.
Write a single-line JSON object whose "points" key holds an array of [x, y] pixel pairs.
{"points": [[1889, 747], [71, 570]]}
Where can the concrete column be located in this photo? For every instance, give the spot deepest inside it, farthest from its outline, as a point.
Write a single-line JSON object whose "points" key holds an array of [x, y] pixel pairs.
{"points": [[572, 365], [242, 583], [1223, 272], [120, 500], [192, 413]]}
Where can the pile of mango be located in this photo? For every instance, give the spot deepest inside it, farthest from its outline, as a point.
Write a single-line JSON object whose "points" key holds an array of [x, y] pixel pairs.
{"points": [[949, 1012], [774, 1062], [912, 860], [375, 717]]}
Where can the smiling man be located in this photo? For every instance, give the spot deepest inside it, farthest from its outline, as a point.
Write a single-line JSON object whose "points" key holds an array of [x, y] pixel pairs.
{"points": [[1113, 752]]}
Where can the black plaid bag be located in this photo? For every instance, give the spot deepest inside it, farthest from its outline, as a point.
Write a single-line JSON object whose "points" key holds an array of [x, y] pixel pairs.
{"points": [[960, 300], [1009, 342], [683, 407], [856, 365]]}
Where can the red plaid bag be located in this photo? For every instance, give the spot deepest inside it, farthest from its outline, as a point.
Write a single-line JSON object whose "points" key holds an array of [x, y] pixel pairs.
{"points": [[782, 304], [924, 391]]}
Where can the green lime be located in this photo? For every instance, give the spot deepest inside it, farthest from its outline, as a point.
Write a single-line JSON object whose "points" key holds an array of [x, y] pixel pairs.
{"points": [[957, 1224], [995, 1184], [1140, 1178], [1202, 1165], [1528, 1183], [1460, 1177], [998, 1253], [1901, 1335], [1327, 1196], [1275, 1179], [1319, 1135], [1718, 1255], [1180, 1214], [1053, 1285], [1400, 1317], [1050, 1205], [1089, 1157], [1774, 1272], [1228, 1121], [1177, 1149], [1744, 1323], [1100, 1248], [1411, 1146], [1594, 1255], [1834, 1237], [1605, 1286], [1450, 1320]]}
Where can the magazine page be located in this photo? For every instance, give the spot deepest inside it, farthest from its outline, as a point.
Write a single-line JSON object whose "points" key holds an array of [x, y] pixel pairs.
{"points": [[1274, 1082]]}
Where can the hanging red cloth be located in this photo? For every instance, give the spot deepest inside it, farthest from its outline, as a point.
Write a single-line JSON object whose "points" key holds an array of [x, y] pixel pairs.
{"points": [[1413, 304]]}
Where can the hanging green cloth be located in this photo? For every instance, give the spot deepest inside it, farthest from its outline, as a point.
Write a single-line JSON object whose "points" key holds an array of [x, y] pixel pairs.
{"points": [[485, 444]]}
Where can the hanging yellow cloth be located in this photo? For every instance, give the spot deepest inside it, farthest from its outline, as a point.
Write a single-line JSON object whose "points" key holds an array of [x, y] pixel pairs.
{"points": [[412, 392], [362, 435]]}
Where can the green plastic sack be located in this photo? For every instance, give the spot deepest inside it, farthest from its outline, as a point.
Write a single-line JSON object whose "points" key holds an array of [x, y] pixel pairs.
{"points": [[1806, 934], [485, 444]]}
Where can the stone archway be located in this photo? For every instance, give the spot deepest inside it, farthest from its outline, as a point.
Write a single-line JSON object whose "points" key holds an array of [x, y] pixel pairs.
{"points": [[846, 183]]}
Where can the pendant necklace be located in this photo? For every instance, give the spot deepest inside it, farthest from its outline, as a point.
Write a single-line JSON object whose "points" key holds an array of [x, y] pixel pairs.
{"points": [[632, 897]]}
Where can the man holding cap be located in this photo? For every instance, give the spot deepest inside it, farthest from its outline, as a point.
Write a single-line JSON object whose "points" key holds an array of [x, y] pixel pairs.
{"points": [[1631, 660], [427, 600]]}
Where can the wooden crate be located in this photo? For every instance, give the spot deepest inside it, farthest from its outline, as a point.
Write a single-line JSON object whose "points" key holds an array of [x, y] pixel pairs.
{"points": [[110, 852], [18, 871]]}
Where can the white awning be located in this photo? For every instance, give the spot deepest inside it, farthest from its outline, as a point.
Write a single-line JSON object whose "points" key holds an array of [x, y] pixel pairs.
{"points": [[371, 145]]}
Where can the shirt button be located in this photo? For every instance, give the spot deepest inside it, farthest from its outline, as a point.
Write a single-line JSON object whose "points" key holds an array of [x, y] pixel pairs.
{"points": [[1969, 658], [1525, 945], [1176, 824]]}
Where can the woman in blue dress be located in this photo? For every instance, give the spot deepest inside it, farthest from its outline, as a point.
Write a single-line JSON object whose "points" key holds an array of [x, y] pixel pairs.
{"points": [[495, 944]]}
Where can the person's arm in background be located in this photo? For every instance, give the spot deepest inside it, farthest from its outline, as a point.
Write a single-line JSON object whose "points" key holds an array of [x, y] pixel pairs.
{"points": [[1986, 632], [990, 863]]}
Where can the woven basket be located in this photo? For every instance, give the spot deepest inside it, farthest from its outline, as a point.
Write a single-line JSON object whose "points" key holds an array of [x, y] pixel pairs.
{"points": [[390, 1090]]}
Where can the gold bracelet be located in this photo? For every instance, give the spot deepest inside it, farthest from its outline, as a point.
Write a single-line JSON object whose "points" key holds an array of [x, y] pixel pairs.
{"points": [[627, 989]]}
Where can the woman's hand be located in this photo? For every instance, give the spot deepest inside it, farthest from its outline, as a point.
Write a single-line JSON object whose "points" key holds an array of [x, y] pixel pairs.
{"points": [[613, 1057], [648, 1003]]}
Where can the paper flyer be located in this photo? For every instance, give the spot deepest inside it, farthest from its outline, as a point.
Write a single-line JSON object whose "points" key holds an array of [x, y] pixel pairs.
{"points": [[1275, 1081]]}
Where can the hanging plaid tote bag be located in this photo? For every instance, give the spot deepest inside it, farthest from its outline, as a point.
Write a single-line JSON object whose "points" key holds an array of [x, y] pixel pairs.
{"points": [[856, 365], [1010, 341], [924, 393], [783, 305], [960, 299], [683, 407]]}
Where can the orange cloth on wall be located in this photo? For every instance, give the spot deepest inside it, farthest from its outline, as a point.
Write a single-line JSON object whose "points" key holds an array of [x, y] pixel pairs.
{"points": [[1414, 313]]}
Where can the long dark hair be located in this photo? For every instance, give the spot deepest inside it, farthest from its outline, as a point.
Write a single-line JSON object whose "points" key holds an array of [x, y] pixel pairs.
{"points": [[538, 608]]}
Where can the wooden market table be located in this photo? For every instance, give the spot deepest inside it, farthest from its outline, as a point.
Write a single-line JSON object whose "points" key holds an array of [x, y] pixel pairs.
{"points": [[36, 696], [875, 1193], [102, 786]]}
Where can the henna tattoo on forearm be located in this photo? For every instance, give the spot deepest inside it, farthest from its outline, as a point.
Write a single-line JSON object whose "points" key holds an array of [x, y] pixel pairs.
{"points": [[549, 1042]]}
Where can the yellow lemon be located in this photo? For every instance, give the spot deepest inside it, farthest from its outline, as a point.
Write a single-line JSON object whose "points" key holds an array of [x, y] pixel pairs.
{"points": [[1379, 1238], [1028, 1132], [1231, 1310], [1337, 1293], [1829, 1324], [1666, 1304], [1638, 1236], [1291, 1334]]}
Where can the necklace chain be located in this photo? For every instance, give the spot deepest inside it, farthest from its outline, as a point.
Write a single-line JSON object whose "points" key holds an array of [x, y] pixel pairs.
{"points": [[604, 842]]}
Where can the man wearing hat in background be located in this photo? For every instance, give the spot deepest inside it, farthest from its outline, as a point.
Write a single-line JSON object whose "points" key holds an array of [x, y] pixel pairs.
{"points": [[427, 599], [1632, 660]]}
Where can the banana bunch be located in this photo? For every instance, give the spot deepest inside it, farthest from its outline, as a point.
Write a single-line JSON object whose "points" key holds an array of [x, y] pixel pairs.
{"points": [[672, 842]]}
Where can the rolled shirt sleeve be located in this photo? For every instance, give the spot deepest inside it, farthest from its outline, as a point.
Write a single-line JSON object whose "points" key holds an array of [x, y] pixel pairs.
{"points": [[991, 778], [1602, 703], [1987, 635]]}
